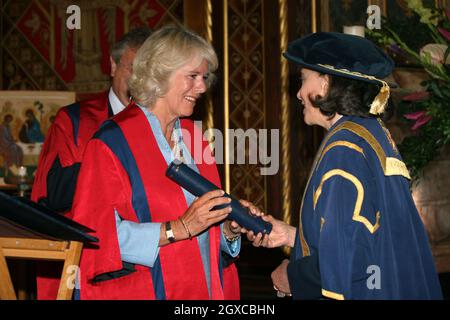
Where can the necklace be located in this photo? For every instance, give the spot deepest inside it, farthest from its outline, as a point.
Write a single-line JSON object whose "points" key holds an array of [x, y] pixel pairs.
{"points": [[177, 149]]}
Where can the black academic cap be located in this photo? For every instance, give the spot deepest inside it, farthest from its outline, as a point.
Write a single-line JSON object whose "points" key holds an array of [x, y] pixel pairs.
{"points": [[346, 56], [341, 54]]}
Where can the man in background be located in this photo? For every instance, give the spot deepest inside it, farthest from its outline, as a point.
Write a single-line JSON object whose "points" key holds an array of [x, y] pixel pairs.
{"points": [[65, 143]]}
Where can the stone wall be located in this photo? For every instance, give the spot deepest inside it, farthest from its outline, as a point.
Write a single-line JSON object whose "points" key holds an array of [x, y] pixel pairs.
{"points": [[432, 193], [432, 198]]}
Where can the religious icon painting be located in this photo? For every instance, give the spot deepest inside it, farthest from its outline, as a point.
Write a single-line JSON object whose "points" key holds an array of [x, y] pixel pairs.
{"points": [[25, 117]]}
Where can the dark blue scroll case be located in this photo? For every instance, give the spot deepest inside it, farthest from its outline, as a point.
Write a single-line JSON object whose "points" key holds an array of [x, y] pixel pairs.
{"points": [[198, 186]]}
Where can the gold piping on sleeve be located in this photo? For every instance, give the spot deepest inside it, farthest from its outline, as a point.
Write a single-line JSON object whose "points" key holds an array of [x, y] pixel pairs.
{"points": [[388, 136], [332, 295], [304, 244], [365, 134], [391, 166], [305, 247], [340, 143], [396, 167], [359, 199]]}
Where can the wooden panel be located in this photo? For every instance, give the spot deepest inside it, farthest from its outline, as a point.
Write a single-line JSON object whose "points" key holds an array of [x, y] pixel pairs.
{"points": [[246, 80], [69, 252], [38, 52], [73, 259], [6, 287], [441, 253], [272, 97], [195, 15], [35, 244], [34, 254]]}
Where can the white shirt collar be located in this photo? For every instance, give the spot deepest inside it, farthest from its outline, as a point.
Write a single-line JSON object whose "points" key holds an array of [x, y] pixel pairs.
{"points": [[116, 105]]}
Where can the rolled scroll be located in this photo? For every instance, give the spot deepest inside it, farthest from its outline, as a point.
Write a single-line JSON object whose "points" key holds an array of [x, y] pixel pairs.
{"points": [[198, 186]]}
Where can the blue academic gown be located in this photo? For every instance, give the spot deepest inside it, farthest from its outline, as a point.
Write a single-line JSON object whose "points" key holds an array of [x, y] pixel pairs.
{"points": [[360, 235]]}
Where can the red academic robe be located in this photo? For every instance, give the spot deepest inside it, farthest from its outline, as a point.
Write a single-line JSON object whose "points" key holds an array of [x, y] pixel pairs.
{"points": [[56, 175], [123, 169]]}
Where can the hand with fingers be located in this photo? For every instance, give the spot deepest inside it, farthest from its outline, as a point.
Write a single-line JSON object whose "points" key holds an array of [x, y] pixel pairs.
{"points": [[280, 280], [253, 209], [232, 229], [200, 215], [282, 234]]}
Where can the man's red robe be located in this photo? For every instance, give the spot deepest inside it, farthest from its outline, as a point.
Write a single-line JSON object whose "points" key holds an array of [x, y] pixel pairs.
{"points": [[66, 141], [56, 175]]}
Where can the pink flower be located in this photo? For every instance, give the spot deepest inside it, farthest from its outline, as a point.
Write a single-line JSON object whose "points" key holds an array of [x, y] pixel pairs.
{"points": [[416, 96], [436, 53], [445, 33], [421, 118]]}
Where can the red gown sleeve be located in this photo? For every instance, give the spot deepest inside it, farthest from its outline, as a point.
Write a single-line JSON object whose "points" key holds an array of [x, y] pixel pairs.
{"points": [[59, 145], [102, 187]]}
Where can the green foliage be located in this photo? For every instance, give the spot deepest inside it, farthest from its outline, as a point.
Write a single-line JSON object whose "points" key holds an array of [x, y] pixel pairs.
{"points": [[429, 113]]}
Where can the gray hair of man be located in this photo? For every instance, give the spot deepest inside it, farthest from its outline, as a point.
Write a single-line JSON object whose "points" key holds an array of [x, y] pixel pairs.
{"points": [[133, 40], [165, 51]]}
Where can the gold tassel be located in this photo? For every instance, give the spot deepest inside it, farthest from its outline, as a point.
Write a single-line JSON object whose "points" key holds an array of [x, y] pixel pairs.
{"points": [[379, 103]]}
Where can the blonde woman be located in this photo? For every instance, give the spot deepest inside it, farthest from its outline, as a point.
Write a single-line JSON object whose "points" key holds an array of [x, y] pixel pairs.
{"points": [[172, 243]]}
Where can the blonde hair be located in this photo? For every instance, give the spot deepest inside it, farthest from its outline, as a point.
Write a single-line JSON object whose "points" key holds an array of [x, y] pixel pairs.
{"points": [[165, 51]]}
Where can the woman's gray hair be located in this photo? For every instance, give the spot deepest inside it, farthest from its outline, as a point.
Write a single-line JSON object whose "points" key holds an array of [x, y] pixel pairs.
{"points": [[165, 51]]}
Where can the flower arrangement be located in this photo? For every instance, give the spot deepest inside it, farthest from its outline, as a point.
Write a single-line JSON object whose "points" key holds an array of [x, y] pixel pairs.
{"points": [[427, 110]]}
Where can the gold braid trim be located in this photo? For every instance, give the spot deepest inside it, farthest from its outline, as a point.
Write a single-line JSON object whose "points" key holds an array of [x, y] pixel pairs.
{"points": [[226, 95], [341, 143], [209, 105], [285, 116], [379, 103], [332, 295], [391, 166], [359, 199]]}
